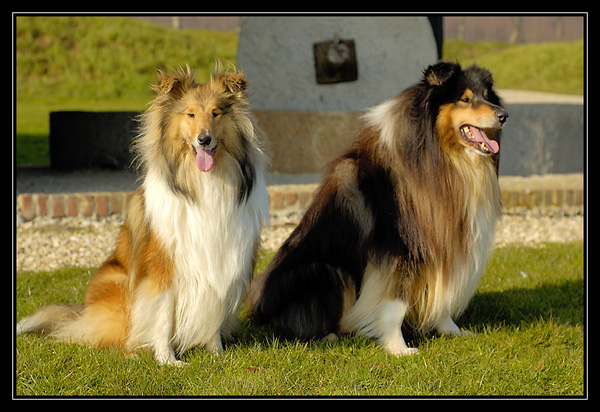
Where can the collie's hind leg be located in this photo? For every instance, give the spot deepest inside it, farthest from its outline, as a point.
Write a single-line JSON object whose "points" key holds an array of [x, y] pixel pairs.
{"points": [[389, 325], [215, 345]]}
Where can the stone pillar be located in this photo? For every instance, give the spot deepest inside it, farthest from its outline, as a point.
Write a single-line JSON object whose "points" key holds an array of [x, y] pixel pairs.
{"points": [[308, 123]]}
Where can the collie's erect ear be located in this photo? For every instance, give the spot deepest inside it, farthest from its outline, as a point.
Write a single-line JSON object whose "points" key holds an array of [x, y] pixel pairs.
{"points": [[233, 82], [176, 83], [439, 73]]}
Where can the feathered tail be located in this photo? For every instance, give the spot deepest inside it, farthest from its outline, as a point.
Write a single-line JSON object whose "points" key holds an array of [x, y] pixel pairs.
{"points": [[49, 320], [77, 324]]}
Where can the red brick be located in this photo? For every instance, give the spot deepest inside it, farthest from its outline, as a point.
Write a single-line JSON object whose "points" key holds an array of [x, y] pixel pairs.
{"points": [[101, 205], [41, 202], [72, 205], [25, 202], [116, 203], [290, 198], [57, 207]]}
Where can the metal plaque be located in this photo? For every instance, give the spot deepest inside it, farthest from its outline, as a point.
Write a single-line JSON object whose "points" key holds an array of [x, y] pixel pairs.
{"points": [[335, 61]]}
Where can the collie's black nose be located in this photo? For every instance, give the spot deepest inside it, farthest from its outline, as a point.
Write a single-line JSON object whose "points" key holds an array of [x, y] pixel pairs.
{"points": [[501, 115], [204, 139]]}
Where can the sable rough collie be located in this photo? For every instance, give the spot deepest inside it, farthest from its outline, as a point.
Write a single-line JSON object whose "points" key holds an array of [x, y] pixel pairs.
{"points": [[185, 253], [400, 228]]}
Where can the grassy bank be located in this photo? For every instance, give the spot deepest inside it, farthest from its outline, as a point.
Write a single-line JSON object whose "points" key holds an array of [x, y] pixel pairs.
{"points": [[528, 319], [543, 67], [98, 64], [107, 63], [107, 58]]}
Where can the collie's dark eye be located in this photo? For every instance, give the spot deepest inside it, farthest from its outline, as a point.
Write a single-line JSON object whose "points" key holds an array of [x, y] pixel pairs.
{"points": [[216, 114], [190, 115], [465, 100]]}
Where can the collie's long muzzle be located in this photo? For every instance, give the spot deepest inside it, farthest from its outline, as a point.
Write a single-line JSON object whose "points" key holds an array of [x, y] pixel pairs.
{"points": [[479, 139]]}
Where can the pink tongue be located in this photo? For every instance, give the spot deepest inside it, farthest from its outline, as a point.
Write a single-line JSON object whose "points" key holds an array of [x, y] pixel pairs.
{"points": [[480, 137], [204, 160]]}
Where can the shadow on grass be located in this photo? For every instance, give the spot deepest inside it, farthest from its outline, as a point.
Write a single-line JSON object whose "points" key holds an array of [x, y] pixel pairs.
{"points": [[562, 303]]}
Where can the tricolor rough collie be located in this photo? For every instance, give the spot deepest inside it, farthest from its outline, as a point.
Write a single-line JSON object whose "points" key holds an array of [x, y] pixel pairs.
{"points": [[400, 228], [185, 253]]}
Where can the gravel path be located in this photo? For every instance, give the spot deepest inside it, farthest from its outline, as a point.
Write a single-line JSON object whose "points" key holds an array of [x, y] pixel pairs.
{"points": [[49, 244]]}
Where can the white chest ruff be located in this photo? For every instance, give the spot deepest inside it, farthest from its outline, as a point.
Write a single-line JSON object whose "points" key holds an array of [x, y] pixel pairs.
{"points": [[466, 282], [212, 243]]}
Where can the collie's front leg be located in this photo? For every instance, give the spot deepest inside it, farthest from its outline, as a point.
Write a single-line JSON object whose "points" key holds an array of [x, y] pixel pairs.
{"points": [[389, 324], [376, 315], [152, 324]]}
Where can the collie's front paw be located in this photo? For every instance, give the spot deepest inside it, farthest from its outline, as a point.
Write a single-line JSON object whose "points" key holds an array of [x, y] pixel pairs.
{"points": [[177, 363], [402, 351], [446, 326], [166, 356]]}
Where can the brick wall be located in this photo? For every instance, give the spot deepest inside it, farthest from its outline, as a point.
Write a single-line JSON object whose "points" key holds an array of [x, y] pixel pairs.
{"points": [[292, 198], [57, 205]]}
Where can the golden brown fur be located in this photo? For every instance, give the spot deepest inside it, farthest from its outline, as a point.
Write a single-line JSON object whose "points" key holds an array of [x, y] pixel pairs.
{"points": [[186, 250]]}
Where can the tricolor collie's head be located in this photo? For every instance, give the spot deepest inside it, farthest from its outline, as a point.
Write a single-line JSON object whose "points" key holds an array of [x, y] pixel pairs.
{"points": [[470, 116]]}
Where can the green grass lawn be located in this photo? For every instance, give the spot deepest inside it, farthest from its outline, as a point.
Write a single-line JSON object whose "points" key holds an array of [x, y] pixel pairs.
{"points": [[528, 317]]}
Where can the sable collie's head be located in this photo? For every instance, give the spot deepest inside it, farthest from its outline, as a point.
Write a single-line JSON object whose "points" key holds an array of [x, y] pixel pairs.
{"points": [[470, 115], [198, 121]]}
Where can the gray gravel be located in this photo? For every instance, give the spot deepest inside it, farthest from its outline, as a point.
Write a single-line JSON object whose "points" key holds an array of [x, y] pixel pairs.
{"points": [[50, 244]]}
